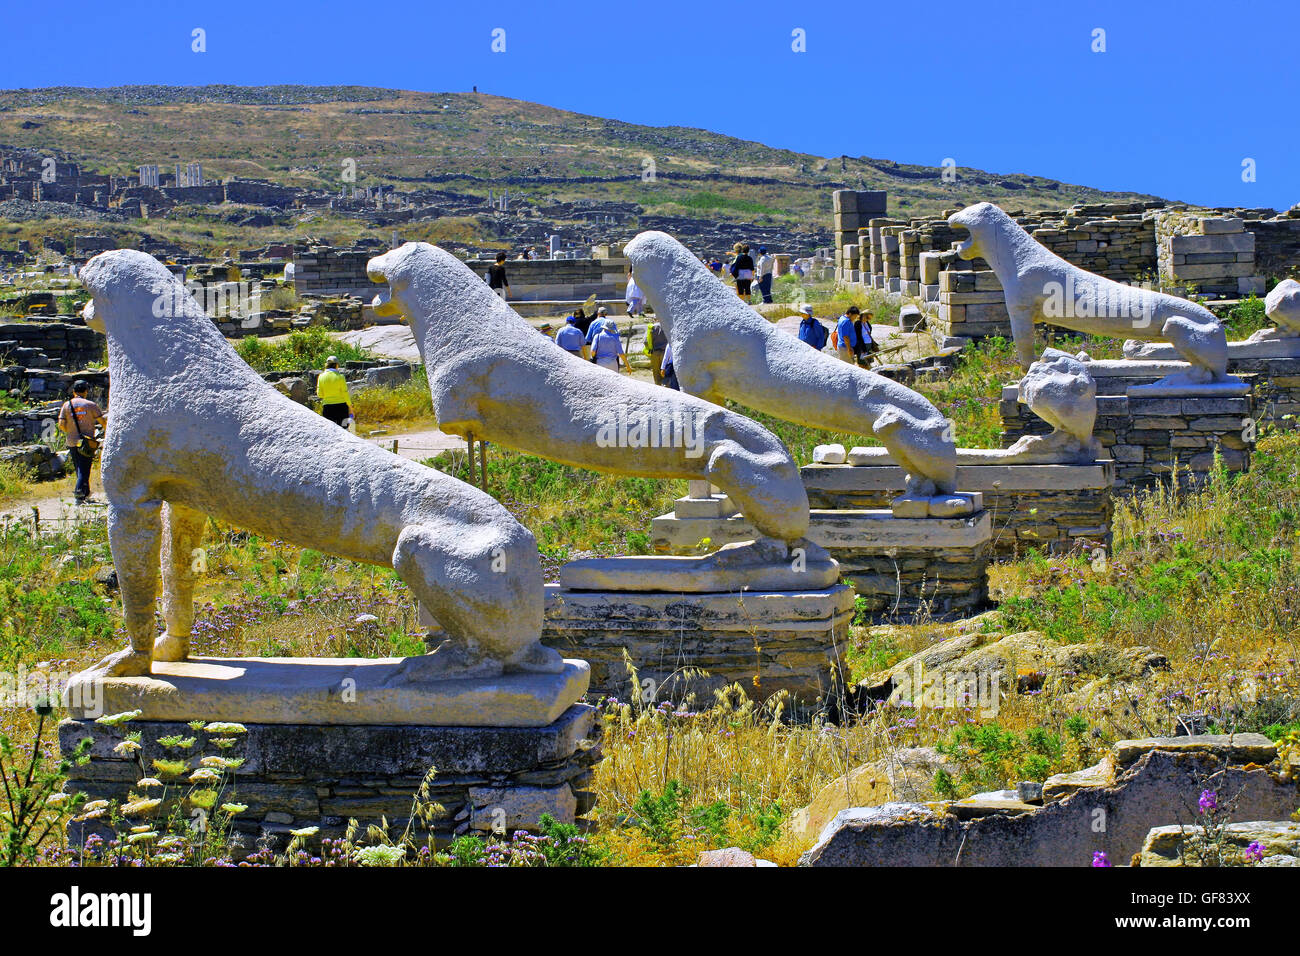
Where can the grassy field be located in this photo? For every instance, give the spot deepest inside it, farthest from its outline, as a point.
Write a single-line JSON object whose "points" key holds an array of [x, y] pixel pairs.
{"points": [[1211, 580]]}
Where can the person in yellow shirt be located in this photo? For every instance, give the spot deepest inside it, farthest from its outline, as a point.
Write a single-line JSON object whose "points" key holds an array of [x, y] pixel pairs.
{"points": [[332, 390]]}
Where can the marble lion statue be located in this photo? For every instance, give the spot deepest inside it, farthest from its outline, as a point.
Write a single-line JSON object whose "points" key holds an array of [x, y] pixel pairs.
{"points": [[194, 432], [1040, 286], [491, 375], [724, 349]]}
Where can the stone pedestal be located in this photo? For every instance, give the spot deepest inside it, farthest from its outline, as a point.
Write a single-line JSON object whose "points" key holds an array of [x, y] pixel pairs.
{"points": [[1049, 507], [325, 741], [765, 640], [1151, 434], [303, 775], [899, 565]]}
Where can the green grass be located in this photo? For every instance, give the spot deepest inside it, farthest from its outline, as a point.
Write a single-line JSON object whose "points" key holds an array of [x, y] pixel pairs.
{"points": [[301, 350], [713, 202], [572, 509]]}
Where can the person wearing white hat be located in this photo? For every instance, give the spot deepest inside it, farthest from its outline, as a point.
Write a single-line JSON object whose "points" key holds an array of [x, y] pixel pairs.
{"points": [[607, 346], [602, 319]]}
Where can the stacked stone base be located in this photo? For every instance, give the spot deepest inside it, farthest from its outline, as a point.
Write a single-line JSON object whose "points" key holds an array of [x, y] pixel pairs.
{"points": [[1151, 438], [767, 642], [1276, 387], [1052, 508], [300, 775], [905, 567]]}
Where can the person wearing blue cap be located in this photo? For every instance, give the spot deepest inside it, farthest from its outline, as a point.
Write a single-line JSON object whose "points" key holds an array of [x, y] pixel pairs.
{"points": [[570, 338]]}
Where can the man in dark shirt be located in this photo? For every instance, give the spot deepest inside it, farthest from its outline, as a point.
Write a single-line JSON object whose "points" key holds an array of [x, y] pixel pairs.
{"points": [[497, 280]]}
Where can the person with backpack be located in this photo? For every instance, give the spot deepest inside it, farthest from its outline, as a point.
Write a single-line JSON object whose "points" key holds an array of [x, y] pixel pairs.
{"points": [[78, 419], [656, 342], [810, 330], [846, 338], [332, 390], [742, 270], [583, 321]]}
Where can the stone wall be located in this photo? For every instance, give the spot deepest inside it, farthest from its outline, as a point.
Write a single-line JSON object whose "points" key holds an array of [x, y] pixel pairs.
{"points": [[566, 280], [324, 270], [60, 345], [1276, 388], [1214, 254], [767, 642], [1277, 246], [26, 428], [901, 567], [852, 210], [256, 192], [971, 305], [296, 775]]}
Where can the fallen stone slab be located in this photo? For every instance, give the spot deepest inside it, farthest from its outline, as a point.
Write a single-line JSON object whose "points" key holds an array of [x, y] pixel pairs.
{"points": [[1024, 661], [731, 568], [1001, 802], [303, 690], [1237, 748]]}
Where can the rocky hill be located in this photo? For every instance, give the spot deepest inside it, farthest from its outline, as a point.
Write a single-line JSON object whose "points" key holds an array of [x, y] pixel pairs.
{"points": [[468, 143]]}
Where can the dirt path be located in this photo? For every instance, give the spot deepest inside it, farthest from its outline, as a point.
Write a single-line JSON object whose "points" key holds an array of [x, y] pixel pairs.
{"points": [[419, 445]]}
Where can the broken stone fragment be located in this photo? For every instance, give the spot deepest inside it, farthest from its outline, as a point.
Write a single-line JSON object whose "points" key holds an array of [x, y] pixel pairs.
{"points": [[1274, 843], [829, 455]]}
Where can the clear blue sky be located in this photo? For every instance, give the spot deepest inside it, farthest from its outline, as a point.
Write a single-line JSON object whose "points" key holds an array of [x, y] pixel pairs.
{"points": [[1183, 94]]}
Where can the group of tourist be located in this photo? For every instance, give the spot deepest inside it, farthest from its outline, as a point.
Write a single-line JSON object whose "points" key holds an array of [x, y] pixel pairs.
{"points": [[596, 339], [852, 337]]}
